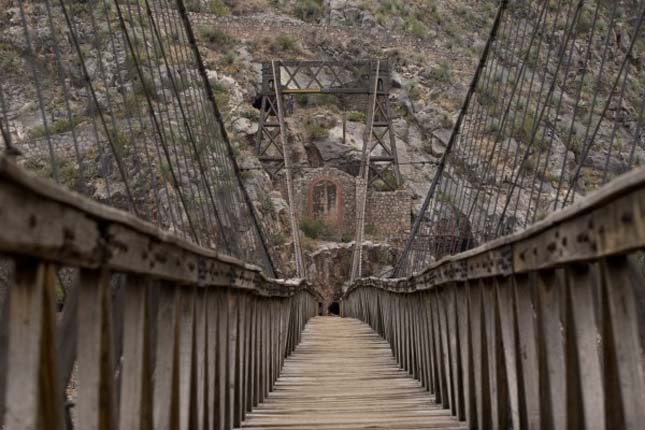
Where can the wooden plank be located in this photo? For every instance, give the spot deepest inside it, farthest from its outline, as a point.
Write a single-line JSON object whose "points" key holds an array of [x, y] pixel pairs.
{"points": [[552, 352], [212, 347], [467, 366], [4, 347], [201, 358], [222, 359], [33, 386], [240, 361], [479, 357], [582, 280], [440, 297], [166, 361], [252, 350], [187, 383], [505, 294], [135, 410], [499, 404], [96, 394], [530, 405], [68, 332], [625, 340], [232, 305]]}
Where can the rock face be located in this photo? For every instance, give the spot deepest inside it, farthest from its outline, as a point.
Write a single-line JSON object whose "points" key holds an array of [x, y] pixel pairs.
{"points": [[329, 267]]}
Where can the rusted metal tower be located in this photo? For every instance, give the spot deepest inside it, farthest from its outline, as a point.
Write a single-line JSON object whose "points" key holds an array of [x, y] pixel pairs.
{"points": [[347, 79]]}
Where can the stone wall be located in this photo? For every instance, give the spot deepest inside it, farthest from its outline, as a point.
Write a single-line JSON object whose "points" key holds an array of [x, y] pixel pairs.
{"points": [[388, 214], [330, 194]]}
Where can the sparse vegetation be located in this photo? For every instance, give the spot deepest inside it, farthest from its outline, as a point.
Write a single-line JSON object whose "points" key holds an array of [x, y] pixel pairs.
{"points": [[221, 94], [315, 131], [284, 43], [355, 116], [218, 7], [308, 10], [314, 228], [10, 59], [442, 72], [215, 36], [266, 204], [62, 125]]}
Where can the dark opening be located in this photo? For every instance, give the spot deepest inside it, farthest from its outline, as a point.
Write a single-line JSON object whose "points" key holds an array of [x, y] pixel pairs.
{"points": [[334, 309]]}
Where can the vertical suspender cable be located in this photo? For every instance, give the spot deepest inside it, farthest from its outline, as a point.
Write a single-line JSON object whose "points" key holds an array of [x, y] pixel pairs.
{"points": [[295, 231], [362, 183]]}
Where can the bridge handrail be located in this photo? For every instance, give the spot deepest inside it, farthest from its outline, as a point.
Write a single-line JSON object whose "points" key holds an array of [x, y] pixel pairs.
{"points": [[544, 328], [607, 222], [43, 220], [162, 332]]}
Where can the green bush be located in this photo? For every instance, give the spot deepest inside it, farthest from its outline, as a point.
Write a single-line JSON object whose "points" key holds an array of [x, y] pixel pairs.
{"points": [[62, 125], [355, 116], [221, 94], [441, 72], [309, 10], [417, 28], [266, 203], [284, 43], [215, 36], [314, 228], [217, 7], [315, 131]]}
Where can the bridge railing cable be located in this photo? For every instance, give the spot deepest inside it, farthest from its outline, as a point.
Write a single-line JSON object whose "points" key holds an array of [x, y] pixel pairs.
{"points": [[109, 322], [554, 111], [123, 112]]}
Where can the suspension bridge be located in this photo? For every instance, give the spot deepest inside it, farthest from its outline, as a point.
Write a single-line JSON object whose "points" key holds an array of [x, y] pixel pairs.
{"points": [[516, 302]]}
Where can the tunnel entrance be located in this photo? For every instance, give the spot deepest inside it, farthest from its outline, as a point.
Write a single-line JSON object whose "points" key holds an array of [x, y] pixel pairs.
{"points": [[334, 309]]}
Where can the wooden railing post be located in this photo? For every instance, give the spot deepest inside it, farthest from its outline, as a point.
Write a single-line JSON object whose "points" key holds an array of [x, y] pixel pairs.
{"points": [[33, 391]]}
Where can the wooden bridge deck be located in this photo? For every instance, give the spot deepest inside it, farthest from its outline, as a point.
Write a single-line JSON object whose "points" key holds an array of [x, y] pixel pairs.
{"points": [[344, 376]]}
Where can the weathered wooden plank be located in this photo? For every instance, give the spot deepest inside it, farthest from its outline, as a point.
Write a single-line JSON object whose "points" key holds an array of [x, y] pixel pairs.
{"points": [[68, 332], [96, 393], [530, 405], [495, 357], [166, 361], [201, 358], [240, 361], [232, 305], [135, 410], [479, 356], [505, 295], [582, 344], [212, 348], [33, 393], [550, 290], [467, 367], [449, 400], [625, 341]]}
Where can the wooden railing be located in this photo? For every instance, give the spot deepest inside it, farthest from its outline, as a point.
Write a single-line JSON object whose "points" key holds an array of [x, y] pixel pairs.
{"points": [[540, 330], [154, 332]]}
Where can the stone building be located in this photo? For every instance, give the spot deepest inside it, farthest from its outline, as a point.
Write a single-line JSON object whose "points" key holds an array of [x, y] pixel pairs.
{"points": [[329, 195]]}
